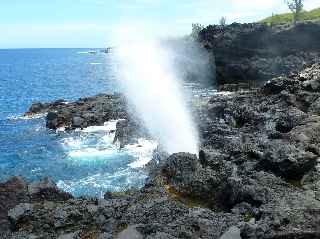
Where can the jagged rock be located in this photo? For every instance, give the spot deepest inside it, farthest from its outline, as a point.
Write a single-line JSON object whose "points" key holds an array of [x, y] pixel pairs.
{"points": [[186, 175], [257, 171], [232, 233], [122, 133], [36, 108], [315, 107], [48, 190], [22, 210], [39, 108], [16, 198], [52, 120], [12, 193], [254, 53], [288, 161], [78, 122], [82, 113]]}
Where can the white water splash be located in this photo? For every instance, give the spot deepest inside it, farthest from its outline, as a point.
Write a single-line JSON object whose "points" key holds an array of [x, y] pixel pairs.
{"points": [[152, 86], [79, 148]]}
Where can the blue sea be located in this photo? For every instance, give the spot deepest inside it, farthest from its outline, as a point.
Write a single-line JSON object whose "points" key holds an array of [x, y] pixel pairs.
{"points": [[82, 162]]}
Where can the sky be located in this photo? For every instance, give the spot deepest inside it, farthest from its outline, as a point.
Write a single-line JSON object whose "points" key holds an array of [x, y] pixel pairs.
{"points": [[95, 23]]}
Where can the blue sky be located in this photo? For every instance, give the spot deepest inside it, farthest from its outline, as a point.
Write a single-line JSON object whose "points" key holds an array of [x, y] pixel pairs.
{"points": [[93, 23]]}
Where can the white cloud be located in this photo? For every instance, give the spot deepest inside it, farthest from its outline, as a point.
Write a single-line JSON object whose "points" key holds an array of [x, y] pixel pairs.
{"points": [[311, 4], [257, 4]]}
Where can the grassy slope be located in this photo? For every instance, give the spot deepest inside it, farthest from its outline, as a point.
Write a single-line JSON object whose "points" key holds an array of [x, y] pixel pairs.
{"points": [[287, 17]]}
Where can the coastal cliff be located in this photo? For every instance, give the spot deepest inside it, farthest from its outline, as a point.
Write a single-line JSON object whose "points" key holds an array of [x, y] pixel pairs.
{"points": [[257, 174], [254, 53]]}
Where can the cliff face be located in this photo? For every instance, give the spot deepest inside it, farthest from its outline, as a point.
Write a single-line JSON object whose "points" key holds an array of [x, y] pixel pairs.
{"points": [[259, 52]]}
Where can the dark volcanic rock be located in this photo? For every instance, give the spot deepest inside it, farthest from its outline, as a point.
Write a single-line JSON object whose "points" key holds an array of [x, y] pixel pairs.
{"points": [[17, 191], [12, 193], [93, 111], [149, 213], [85, 112], [127, 131], [40, 108], [257, 172], [256, 53]]}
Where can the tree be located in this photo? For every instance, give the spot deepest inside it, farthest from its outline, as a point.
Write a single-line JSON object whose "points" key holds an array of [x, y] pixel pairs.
{"points": [[223, 21], [196, 29], [296, 7]]}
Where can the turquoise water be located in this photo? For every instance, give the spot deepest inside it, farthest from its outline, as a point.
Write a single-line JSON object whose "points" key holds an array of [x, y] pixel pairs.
{"points": [[84, 162]]}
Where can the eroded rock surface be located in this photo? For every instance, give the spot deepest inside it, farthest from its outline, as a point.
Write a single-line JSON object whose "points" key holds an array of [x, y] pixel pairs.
{"points": [[257, 173], [82, 113], [254, 53]]}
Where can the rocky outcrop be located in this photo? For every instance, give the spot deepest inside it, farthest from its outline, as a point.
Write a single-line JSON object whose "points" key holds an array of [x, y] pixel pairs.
{"points": [[82, 113], [259, 159], [92, 111], [149, 213], [256, 176], [16, 197], [255, 53]]}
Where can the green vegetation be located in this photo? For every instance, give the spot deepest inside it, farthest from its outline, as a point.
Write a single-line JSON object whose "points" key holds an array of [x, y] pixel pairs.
{"points": [[247, 217], [296, 7], [287, 17]]}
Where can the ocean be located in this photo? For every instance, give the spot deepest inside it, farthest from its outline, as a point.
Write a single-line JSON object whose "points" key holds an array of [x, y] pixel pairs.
{"points": [[84, 162]]}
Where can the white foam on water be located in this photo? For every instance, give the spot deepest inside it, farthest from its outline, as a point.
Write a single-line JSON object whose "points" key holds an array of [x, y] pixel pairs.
{"points": [[27, 117], [61, 129], [107, 127], [94, 146], [143, 151], [95, 63], [102, 182], [73, 143], [88, 153], [80, 148]]}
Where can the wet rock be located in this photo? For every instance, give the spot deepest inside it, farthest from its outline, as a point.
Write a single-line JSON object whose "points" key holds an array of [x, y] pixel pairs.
{"points": [[40, 108], [78, 122], [122, 133], [36, 108], [48, 190], [53, 120], [86, 112]]}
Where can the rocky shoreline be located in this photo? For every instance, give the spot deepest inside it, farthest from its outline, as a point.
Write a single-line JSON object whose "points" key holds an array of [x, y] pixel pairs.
{"points": [[257, 174]]}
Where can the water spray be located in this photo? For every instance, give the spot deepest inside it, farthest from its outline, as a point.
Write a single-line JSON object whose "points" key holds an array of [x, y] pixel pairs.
{"points": [[151, 84]]}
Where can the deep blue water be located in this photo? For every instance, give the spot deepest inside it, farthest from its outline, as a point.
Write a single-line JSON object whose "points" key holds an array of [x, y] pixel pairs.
{"points": [[84, 163]]}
